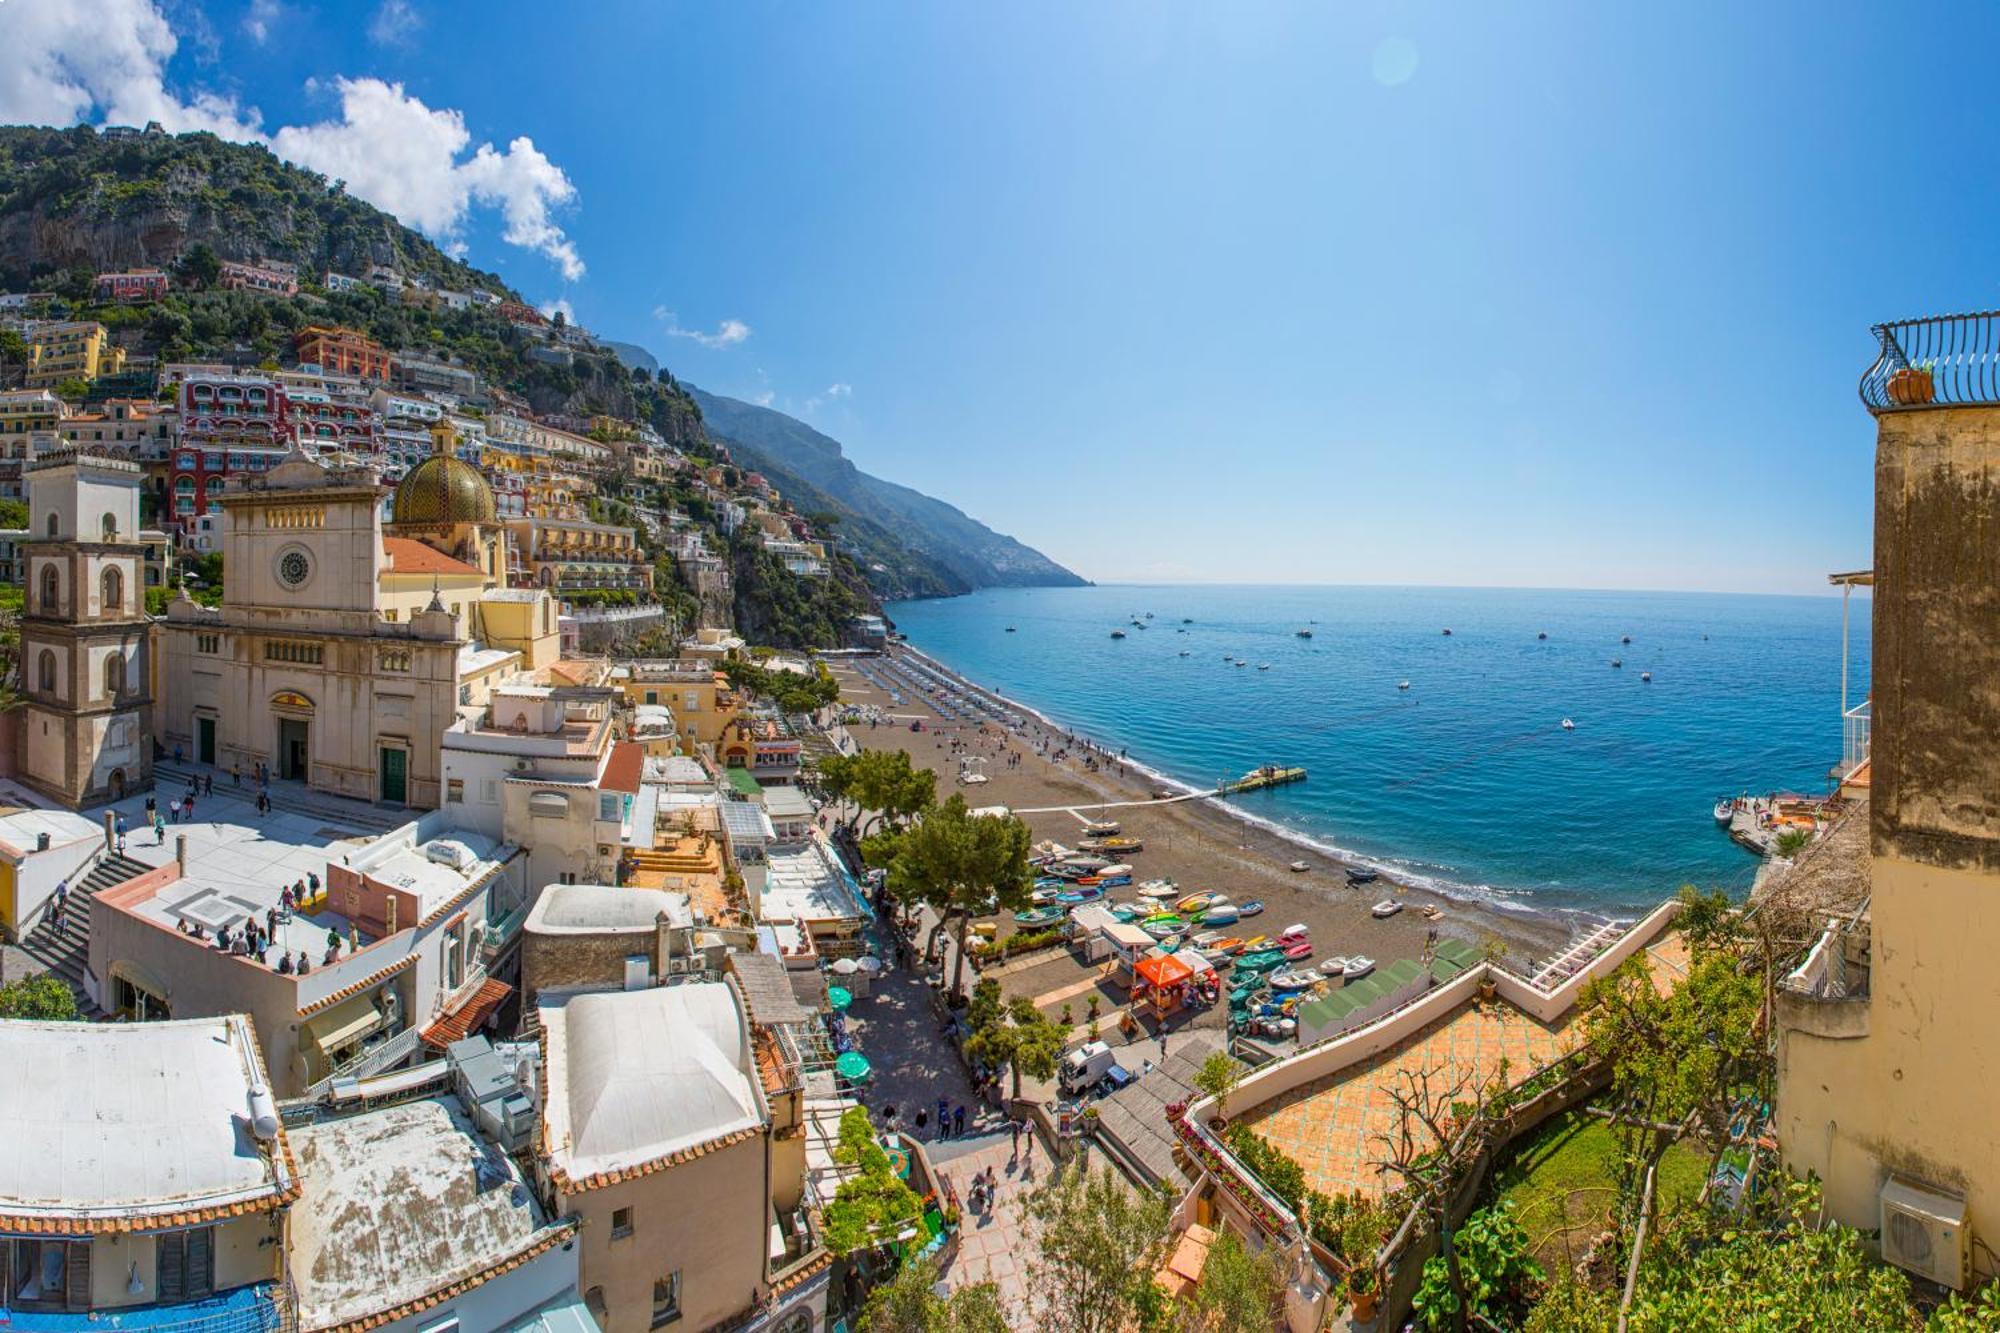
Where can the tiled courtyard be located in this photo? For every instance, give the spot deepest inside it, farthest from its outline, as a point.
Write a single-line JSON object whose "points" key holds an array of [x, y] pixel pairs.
{"points": [[1333, 1126]]}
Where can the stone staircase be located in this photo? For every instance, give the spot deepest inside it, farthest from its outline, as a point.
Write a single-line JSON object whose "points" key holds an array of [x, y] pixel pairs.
{"points": [[65, 951], [171, 779]]}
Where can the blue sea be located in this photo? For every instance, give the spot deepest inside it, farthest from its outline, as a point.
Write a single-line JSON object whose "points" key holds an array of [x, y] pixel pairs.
{"points": [[1465, 782]]}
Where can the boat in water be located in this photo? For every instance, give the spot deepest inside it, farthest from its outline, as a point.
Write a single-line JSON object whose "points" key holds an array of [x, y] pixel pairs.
{"points": [[1118, 634], [1568, 725], [1263, 666], [1270, 775], [1543, 635], [1626, 639], [1645, 675], [1402, 684], [1725, 810], [1447, 634], [1303, 633], [1010, 629], [1617, 661], [1386, 908]]}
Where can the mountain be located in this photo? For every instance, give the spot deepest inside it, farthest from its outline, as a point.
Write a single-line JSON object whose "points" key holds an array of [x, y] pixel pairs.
{"points": [[634, 356], [959, 553]]}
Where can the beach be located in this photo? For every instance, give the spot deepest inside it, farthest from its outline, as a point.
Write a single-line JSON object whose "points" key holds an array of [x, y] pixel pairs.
{"points": [[1054, 784]]}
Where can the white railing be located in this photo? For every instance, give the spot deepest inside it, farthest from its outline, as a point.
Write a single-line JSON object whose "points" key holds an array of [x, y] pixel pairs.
{"points": [[444, 1003], [1854, 737]]}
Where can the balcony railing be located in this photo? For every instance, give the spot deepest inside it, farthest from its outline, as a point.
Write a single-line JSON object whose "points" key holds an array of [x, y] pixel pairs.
{"points": [[1948, 360], [1854, 743]]}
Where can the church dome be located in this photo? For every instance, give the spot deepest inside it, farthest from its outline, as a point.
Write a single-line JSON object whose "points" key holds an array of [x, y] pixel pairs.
{"points": [[442, 489]]}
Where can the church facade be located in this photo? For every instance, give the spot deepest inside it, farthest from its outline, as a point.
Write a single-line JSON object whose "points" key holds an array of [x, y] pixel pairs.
{"points": [[327, 661]]}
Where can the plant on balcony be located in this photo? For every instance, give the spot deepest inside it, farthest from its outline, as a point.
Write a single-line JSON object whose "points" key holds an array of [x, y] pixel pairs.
{"points": [[873, 1206], [1499, 1275], [1912, 385]]}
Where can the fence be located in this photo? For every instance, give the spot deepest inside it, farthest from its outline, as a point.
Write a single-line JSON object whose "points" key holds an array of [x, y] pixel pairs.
{"points": [[1942, 360]]}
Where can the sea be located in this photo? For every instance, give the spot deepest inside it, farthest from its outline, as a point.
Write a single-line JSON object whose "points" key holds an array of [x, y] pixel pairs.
{"points": [[1466, 782]]}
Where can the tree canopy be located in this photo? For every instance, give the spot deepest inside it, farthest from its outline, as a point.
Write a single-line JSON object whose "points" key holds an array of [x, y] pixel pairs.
{"points": [[1097, 1247], [956, 863]]}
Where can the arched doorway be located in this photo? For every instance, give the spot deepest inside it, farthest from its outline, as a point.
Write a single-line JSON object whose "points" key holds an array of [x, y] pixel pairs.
{"points": [[292, 714], [117, 784]]}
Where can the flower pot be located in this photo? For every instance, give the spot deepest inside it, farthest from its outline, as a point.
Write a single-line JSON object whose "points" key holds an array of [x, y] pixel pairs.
{"points": [[1366, 1303], [1488, 989], [1911, 386]]}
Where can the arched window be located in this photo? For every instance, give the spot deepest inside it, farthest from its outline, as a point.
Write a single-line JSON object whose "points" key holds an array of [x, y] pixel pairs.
{"points": [[111, 527], [52, 525], [45, 672], [114, 675], [114, 591], [51, 589]]}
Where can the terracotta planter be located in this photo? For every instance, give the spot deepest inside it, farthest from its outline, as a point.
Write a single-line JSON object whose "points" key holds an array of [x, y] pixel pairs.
{"points": [[1488, 989], [1366, 1303], [1911, 387]]}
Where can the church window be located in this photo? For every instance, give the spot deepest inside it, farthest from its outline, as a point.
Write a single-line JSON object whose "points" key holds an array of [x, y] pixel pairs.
{"points": [[52, 525], [290, 650], [114, 591], [47, 670], [51, 590], [393, 659], [114, 675], [208, 643], [110, 527]]}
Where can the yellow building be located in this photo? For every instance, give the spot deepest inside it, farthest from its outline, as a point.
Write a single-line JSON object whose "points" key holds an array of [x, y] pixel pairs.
{"points": [[703, 705], [77, 350], [1886, 1039]]}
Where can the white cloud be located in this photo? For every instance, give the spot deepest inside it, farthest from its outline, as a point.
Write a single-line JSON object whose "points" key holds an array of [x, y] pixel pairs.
{"points": [[727, 334], [107, 63], [764, 399], [263, 15], [559, 306], [840, 390], [395, 23]]}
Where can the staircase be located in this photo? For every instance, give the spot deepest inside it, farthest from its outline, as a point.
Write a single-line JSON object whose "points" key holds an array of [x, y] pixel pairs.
{"points": [[64, 952], [171, 779]]}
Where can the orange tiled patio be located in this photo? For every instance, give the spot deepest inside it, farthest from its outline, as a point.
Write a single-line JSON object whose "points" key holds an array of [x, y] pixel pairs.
{"points": [[1333, 1126]]}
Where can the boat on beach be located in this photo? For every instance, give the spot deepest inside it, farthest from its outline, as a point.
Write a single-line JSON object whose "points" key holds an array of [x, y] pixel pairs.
{"points": [[1158, 888], [1362, 875], [1221, 914], [1195, 902], [1299, 867], [1082, 894], [1040, 916], [1386, 908], [1287, 981], [1358, 967], [1298, 950], [1115, 844], [1254, 907], [1100, 828]]}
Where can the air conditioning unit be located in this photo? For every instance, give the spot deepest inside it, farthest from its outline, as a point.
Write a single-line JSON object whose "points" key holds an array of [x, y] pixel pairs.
{"points": [[1924, 1232]]}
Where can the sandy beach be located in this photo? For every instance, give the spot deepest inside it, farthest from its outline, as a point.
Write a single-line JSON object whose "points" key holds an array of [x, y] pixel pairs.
{"points": [[1192, 842]]}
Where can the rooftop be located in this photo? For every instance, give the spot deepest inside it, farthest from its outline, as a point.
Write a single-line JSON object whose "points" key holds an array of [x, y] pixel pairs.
{"points": [[407, 1201], [596, 908], [679, 771], [782, 802], [803, 884], [634, 1078], [124, 1122]]}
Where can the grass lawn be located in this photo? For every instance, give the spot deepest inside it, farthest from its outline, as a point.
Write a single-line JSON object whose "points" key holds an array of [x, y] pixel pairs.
{"points": [[1563, 1178]]}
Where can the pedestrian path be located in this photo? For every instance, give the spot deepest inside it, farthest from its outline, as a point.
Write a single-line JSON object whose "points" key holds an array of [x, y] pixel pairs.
{"points": [[896, 1025]]}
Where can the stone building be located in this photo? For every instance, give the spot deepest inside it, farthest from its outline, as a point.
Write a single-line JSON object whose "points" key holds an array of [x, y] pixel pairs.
{"points": [[86, 669]]}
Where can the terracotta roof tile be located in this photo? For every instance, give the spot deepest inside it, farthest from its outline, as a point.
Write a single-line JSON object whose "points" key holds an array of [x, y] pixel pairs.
{"points": [[464, 1020], [624, 769], [409, 556]]}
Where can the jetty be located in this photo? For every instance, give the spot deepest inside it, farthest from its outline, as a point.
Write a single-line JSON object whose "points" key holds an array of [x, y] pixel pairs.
{"points": [[1270, 775]]}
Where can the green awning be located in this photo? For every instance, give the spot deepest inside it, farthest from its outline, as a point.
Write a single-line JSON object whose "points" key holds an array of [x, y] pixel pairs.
{"points": [[744, 781]]}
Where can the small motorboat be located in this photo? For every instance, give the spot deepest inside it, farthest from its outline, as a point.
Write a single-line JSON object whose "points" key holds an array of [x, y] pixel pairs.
{"points": [[1303, 633], [1645, 675], [1158, 889], [1187, 620], [1263, 666], [1184, 652], [1081, 863], [1262, 960], [1220, 914], [1043, 895], [1256, 942], [1362, 875], [1617, 662], [1039, 916], [1118, 634], [1568, 725], [1447, 634], [1010, 629], [1298, 950], [1300, 867], [1359, 967], [1115, 872], [1402, 684], [1626, 639], [1725, 811], [1298, 930], [1242, 662], [1100, 828], [1252, 908], [1081, 894], [1543, 635], [1386, 908]]}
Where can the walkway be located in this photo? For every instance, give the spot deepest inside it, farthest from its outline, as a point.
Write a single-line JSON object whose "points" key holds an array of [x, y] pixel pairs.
{"points": [[897, 1028]]}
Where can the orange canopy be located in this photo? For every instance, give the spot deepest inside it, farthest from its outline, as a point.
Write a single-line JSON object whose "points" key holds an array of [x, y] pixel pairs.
{"points": [[1163, 969]]}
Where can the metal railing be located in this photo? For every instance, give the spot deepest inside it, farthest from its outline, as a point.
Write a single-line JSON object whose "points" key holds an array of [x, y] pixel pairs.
{"points": [[1855, 724], [1943, 360]]}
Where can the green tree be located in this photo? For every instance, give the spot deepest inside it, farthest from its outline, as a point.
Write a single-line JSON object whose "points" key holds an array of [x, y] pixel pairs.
{"points": [[1097, 1245], [1218, 1076], [881, 784], [909, 1303], [198, 266], [13, 514], [39, 997], [1495, 1267], [1239, 1292], [957, 863], [1019, 1038], [873, 1206]]}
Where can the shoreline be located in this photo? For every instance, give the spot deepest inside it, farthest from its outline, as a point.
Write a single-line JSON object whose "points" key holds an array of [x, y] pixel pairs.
{"points": [[1210, 841]]}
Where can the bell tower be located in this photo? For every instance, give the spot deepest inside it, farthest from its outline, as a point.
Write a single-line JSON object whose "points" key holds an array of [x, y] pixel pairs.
{"points": [[86, 672]]}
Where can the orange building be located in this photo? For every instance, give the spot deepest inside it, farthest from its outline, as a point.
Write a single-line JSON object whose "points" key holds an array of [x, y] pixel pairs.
{"points": [[342, 351]]}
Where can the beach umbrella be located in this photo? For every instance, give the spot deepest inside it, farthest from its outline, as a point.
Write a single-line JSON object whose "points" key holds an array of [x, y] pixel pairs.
{"points": [[871, 965], [839, 997], [852, 1066], [1163, 969], [845, 967]]}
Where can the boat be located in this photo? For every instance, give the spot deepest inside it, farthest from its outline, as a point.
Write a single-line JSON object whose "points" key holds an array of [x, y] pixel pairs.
{"points": [[1447, 634], [1333, 965], [1118, 634], [1263, 666], [1228, 947], [1082, 862], [1359, 967], [1184, 652], [1303, 633], [1039, 916], [1010, 629], [1041, 897], [1187, 620], [1124, 913], [1256, 942], [1089, 894], [1222, 914], [1298, 950], [1645, 675], [1242, 662], [1725, 811], [1284, 980], [1100, 828], [1568, 725], [1626, 639], [1617, 661], [1300, 867], [1298, 930], [1194, 902], [1158, 888], [1263, 960], [1432, 912], [1116, 844], [1543, 635], [1160, 930], [1386, 908], [1362, 875], [1402, 684], [1149, 615], [1270, 775], [1252, 908]]}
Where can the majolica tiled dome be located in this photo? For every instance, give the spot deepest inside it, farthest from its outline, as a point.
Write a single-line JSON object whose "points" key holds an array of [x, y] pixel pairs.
{"points": [[442, 489]]}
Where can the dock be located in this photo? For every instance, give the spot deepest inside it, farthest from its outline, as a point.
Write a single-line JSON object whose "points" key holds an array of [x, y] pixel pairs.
{"points": [[1270, 775]]}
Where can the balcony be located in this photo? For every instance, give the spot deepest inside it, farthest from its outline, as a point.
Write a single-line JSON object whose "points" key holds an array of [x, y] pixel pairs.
{"points": [[1940, 361], [1854, 745]]}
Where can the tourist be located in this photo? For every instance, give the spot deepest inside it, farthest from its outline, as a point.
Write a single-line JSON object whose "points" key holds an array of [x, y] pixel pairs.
{"points": [[208, 784], [159, 829], [332, 945], [121, 835], [59, 904], [1015, 1127], [174, 810], [177, 752], [285, 899], [187, 808], [923, 1118], [151, 807], [236, 774], [285, 963], [958, 1122], [271, 920]]}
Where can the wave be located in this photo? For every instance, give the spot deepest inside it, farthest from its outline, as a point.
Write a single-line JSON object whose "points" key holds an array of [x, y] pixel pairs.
{"points": [[1408, 873]]}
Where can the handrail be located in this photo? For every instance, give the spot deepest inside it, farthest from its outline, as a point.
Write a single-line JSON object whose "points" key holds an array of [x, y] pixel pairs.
{"points": [[1936, 361]]}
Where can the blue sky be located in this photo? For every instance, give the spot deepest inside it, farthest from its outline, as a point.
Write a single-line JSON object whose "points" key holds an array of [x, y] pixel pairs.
{"points": [[1552, 294]]}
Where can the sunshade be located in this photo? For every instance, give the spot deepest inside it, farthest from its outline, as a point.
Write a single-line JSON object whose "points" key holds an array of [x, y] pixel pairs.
{"points": [[852, 1066], [839, 997], [1163, 969]]}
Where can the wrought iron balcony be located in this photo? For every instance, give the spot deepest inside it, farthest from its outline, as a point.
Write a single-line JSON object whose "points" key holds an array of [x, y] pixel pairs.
{"points": [[1941, 361]]}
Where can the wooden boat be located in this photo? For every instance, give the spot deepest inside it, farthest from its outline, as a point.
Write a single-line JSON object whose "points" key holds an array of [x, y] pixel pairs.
{"points": [[1359, 967], [1284, 980], [1387, 907], [1039, 916], [1115, 845], [1300, 867], [1432, 912], [1362, 875], [1333, 965], [1100, 828], [1252, 908], [1222, 914], [1042, 895], [1298, 950]]}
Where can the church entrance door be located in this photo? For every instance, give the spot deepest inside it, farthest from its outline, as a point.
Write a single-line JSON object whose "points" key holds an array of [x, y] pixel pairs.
{"points": [[395, 772], [292, 751], [204, 739]]}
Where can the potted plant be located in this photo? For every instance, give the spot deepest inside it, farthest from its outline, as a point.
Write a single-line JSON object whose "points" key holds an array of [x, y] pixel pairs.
{"points": [[1492, 950], [1912, 386], [1364, 1289]]}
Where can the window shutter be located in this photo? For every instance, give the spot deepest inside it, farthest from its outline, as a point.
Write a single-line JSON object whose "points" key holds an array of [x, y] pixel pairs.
{"points": [[170, 1265], [200, 1263], [76, 1275]]}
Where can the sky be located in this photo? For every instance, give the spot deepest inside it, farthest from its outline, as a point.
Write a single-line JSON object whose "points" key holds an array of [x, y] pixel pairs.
{"points": [[1551, 294]]}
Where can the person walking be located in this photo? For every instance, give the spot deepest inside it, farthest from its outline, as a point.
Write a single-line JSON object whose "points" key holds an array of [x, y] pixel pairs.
{"points": [[208, 784], [187, 808], [235, 773], [958, 1123], [159, 830], [1014, 1126], [174, 810], [121, 835], [944, 1118]]}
